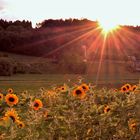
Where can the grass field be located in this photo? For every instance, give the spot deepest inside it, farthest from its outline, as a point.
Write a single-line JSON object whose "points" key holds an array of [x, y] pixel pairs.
{"points": [[111, 74], [33, 81]]}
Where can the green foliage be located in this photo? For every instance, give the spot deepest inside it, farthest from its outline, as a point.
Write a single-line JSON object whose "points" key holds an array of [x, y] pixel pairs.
{"points": [[71, 118]]}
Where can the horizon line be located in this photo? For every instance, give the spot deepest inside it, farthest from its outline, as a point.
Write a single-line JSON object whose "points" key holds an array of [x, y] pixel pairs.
{"points": [[34, 26]]}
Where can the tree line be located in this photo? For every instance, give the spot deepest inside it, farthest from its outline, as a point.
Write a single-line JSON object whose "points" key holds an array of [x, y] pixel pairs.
{"points": [[20, 37]]}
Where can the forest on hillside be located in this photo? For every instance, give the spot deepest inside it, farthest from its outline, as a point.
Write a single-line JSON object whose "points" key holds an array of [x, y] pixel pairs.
{"points": [[19, 36], [71, 43]]}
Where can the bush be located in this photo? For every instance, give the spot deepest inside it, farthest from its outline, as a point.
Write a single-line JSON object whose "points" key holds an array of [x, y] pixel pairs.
{"points": [[6, 66], [51, 68], [21, 68], [76, 68]]}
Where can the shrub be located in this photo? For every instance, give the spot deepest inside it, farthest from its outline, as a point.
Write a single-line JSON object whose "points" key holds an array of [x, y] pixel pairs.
{"points": [[6, 66], [21, 68]]}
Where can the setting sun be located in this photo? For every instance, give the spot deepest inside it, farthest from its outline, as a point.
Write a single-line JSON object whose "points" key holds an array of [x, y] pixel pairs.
{"points": [[108, 26]]}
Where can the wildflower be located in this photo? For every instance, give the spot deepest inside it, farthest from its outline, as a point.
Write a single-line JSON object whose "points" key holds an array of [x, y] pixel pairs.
{"points": [[37, 104], [85, 87], [132, 125], [12, 114], [79, 92], [63, 88], [1, 96], [5, 121], [20, 124], [5, 118], [128, 86], [106, 109], [124, 89], [134, 87], [115, 90], [11, 99], [10, 90]]}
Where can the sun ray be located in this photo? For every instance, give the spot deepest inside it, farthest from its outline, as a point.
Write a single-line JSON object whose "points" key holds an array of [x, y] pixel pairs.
{"points": [[101, 58], [85, 30], [126, 43], [117, 69], [120, 42], [72, 41], [130, 36], [37, 43], [123, 49], [94, 46]]}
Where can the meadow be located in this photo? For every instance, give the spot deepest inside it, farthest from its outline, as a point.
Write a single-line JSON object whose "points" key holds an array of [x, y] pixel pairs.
{"points": [[33, 82]]}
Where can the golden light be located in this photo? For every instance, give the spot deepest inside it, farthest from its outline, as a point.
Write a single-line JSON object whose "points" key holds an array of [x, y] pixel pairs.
{"points": [[108, 26]]}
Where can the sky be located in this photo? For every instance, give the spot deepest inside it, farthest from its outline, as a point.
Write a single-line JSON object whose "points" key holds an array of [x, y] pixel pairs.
{"points": [[124, 12]]}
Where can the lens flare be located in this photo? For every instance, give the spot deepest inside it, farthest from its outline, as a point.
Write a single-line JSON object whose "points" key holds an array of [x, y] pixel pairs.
{"points": [[108, 26]]}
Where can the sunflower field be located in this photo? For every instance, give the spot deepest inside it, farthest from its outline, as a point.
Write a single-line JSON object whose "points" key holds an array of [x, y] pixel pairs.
{"points": [[78, 112]]}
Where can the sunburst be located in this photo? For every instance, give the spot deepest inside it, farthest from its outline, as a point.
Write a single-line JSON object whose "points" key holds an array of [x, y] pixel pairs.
{"points": [[108, 26]]}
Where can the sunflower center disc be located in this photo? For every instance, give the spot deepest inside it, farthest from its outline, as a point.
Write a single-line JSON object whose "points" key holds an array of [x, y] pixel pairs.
{"points": [[11, 99]]}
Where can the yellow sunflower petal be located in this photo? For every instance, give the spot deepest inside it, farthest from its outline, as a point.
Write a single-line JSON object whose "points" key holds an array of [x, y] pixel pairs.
{"points": [[11, 99], [79, 92], [37, 104]]}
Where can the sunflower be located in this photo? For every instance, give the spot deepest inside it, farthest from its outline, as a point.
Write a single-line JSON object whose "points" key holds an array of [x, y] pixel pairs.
{"points": [[128, 86], [4, 118], [63, 88], [5, 121], [12, 114], [115, 90], [85, 87], [134, 87], [20, 124], [79, 92], [106, 109], [11, 99], [10, 90], [37, 104], [124, 89], [1, 96], [133, 127]]}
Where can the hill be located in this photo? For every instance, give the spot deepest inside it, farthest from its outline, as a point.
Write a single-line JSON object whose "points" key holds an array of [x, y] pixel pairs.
{"points": [[54, 38], [70, 46]]}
